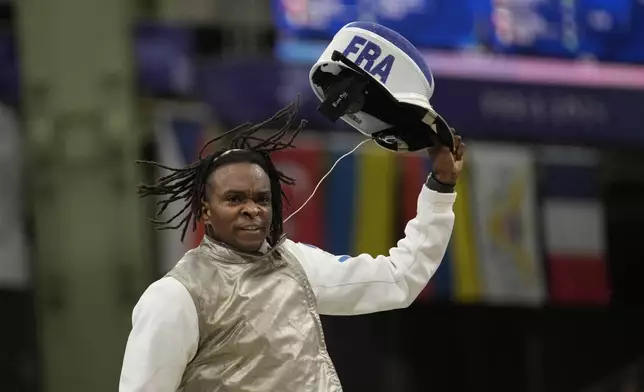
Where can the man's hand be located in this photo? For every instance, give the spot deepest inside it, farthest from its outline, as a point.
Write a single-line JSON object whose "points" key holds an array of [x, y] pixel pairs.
{"points": [[446, 167]]}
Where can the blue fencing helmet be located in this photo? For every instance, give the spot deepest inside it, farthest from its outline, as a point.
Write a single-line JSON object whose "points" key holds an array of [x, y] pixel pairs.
{"points": [[376, 81]]}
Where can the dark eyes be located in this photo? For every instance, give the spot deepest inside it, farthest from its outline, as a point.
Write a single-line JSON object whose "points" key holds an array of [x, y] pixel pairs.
{"points": [[235, 199]]}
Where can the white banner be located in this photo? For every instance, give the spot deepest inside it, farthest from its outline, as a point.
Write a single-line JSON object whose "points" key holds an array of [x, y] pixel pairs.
{"points": [[503, 187], [14, 268]]}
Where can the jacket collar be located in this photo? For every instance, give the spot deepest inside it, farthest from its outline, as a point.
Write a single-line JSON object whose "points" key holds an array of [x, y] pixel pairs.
{"points": [[225, 253]]}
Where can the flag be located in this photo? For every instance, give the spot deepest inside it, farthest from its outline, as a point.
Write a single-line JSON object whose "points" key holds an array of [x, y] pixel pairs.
{"points": [[463, 248], [375, 217], [573, 221], [305, 164], [340, 198], [505, 206]]}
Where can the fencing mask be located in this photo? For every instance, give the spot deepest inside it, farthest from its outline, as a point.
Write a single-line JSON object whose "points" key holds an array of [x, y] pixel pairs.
{"points": [[376, 81]]}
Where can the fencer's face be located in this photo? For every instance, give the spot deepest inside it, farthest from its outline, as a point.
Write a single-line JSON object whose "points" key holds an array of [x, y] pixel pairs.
{"points": [[239, 209]]}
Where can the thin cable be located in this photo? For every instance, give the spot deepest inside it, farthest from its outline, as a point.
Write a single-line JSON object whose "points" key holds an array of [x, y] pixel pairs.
{"points": [[325, 176]]}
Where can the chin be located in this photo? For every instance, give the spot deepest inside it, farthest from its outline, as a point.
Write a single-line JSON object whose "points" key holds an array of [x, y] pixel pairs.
{"points": [[250, 241], [250, 248]]}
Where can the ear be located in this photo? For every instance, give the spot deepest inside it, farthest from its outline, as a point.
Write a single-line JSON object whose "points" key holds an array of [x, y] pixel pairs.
{"points": [[205, 211]]}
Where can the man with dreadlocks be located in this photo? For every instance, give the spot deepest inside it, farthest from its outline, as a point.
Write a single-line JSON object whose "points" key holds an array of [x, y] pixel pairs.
{"points": [[240, 312]]}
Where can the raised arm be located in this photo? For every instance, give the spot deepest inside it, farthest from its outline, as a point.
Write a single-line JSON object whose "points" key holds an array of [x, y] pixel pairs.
{"points": [[364, 284], [347, 285]]}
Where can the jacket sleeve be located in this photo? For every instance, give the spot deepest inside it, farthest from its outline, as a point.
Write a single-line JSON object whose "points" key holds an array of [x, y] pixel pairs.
{"points": [[164, 338], [346, 285]]}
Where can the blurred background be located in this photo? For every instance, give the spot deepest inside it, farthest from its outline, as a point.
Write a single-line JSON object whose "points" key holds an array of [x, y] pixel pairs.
{"points": [[540, 289]]}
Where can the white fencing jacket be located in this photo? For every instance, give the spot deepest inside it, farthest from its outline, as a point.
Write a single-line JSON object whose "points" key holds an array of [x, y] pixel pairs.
{"points": [[165, 332]]}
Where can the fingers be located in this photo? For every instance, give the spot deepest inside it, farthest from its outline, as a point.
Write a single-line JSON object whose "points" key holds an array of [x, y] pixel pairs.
{"points": [[460, 152], [459, 148], [457, 142]]}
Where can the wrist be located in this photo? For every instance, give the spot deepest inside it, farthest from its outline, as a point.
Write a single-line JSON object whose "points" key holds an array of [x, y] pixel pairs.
{"points": [[439, 185], [447, 178]]}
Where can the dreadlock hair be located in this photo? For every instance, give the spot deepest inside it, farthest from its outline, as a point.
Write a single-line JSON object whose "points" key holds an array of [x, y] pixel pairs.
{"points": [[188, 184]]}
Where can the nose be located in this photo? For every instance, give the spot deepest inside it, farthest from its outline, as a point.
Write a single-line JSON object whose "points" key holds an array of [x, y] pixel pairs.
{"points": [[251, 210]]}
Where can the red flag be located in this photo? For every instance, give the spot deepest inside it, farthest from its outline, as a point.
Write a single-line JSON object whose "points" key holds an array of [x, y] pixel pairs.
{"points": [[305, 164]]}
